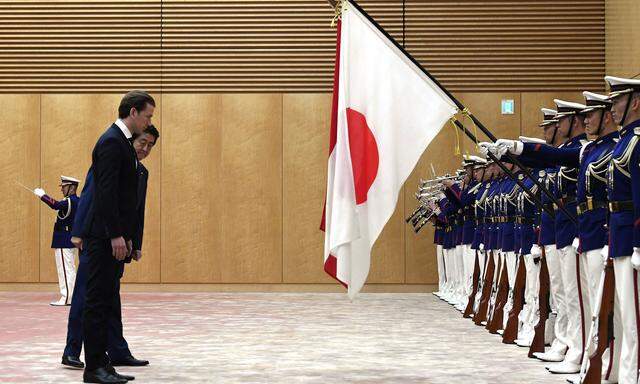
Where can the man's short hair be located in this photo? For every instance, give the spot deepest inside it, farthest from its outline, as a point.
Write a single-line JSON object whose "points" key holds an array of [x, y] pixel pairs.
{"points": [[152, 130], [135, 99]]}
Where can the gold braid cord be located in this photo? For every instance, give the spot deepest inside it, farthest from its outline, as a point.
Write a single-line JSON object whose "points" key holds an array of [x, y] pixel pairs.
{"points": [[467, 114]]}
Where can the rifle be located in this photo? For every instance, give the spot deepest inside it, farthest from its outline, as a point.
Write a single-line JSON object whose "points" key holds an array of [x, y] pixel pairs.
{"points": [[493, 300], [481, 280], [468, 311], [489, 271], [544, 308], [511, 330], [502, 294], [601, 327]]}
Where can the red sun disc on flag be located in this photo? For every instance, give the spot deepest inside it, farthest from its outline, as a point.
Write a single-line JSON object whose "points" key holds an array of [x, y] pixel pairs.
{"points": [[364, 154]]}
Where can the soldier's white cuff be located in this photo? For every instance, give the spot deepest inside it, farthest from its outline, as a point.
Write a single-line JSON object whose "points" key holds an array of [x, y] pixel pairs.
{"points": [[518, 147]]}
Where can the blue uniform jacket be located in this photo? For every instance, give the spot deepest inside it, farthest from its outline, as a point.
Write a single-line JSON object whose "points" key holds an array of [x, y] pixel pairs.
{"points": [[508, 211], [591, 161], [565, 187], [64, 221], [478, 236], [624, 226], [464, 202], [528, 211], [492, 229]]}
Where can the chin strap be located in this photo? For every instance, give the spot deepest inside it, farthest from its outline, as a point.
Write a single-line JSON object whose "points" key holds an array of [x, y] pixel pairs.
{"points": [[573, 119], [555, 132], [626, 109], [601, 121]]}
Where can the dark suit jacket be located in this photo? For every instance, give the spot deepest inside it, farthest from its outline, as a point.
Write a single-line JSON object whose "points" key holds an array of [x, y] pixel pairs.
{"points": [[113, 212], [143, 176]]}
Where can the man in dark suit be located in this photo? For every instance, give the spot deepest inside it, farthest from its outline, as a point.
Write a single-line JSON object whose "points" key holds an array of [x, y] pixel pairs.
{"points": [[110, 227], [118, 348]]}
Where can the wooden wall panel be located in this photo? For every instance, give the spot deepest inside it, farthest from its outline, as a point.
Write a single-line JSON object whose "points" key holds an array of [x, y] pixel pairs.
{"points": [[19, 162], [68, 138], [487, 108], [252, 188], [76, 46], [421, 265], [531, 104], [388, 254], [306, 122], [237, 184], [192, 186], [71, 124], [622, 38], [504, 45], [288, 45]]}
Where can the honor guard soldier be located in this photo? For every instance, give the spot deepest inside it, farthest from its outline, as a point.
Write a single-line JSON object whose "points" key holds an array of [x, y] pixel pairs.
{"points": [[64, 251], [570, 128], [480, 193], [592, 159], [458, 194], [623, 189]]}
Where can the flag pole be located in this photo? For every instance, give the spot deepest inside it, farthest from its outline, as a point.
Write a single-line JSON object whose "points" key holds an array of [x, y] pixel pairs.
{"points": [[477, 122], [510, 173]]}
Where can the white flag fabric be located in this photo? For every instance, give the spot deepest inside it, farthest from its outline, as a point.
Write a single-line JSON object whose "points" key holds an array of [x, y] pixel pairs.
{"points": [[386, 112]]}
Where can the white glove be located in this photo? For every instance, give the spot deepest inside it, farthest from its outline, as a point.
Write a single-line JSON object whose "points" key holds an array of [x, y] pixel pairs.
{"points": [[635, 258], [484, 148], [536, 251], [605, 254], [39, 192], [481, 247], [576, 243], [513, 146]]}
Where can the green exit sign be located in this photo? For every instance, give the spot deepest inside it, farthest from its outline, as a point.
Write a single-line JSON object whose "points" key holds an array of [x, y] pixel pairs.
{"points": [[508, 107]]}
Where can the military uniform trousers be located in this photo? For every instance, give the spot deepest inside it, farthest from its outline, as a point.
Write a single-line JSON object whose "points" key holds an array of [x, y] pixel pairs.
{"points": [[442, 279], [558, 301], [575, 284], [627, 297], [611, 357], [65, 265]]}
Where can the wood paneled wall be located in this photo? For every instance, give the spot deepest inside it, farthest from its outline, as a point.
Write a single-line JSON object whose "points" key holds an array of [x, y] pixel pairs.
{"points": [[622, 38], [236, 185], [166, 46]]}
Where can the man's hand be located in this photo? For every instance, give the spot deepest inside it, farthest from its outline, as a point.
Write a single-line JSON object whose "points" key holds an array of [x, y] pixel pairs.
{"points": [[39, 192], [536, 251], [137, 255], [435, 208], [513, 146], [77, 242], [119, 248], [484, 148], [605, 254], [635, 258]]}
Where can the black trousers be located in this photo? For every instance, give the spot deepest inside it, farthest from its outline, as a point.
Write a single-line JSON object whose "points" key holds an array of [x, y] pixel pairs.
{"points": [[102, 288], [118, 348]]}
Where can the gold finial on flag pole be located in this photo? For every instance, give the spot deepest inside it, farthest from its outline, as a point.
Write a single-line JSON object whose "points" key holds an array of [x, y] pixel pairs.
{"points": [[339, 6]]}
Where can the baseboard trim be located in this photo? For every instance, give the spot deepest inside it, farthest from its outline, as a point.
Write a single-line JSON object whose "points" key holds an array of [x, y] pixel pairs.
{"points": [[138, 287]]}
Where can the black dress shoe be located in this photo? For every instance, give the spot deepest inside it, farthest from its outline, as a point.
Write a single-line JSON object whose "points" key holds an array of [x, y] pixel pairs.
{"points": [[102, 376], [129, 361], [112, 371], [72, 362]]}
